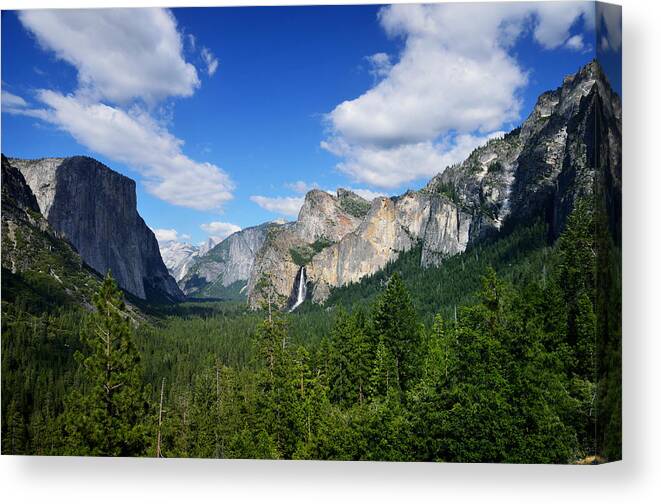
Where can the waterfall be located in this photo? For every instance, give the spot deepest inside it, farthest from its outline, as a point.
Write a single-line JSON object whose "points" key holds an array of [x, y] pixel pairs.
{"points": [[301, 290]]}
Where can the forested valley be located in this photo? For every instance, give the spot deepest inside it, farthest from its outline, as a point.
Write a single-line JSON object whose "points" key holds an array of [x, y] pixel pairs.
{"points": [[497, 355]]}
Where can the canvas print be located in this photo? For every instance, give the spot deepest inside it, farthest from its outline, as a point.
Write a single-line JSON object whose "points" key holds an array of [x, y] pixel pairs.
{"points": [[381, 232]]}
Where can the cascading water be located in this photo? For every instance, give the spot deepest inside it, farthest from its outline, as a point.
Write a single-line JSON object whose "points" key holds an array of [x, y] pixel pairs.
{"points": [[301, 290]]}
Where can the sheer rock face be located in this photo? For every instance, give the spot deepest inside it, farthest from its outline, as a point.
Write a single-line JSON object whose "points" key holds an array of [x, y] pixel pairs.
{"points": [[531, 171], [29, 243], [228, 262], [95, 209], [323, 218], [393, 225]]}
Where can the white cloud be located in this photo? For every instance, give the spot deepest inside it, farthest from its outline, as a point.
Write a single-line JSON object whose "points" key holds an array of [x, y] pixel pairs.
{"points": [[280, 205], [380, 64], [554, 20], [219, 230], [367, 193], [14, 104], [575, 43], [609, 18], [301, 187], [132, 58], [120, 54], [166, 235], [210, 61], [191, 41], [454, 83], [136, 139], [12, 101], [390, 167]]}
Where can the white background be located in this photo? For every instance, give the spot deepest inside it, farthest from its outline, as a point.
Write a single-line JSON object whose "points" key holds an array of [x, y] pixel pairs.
{"points": [[636, 479]]}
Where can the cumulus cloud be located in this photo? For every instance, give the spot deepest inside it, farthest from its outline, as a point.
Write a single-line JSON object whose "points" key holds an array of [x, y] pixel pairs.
{"points": [[128, 60], [219, 230], [286, 205], [168, 235], [390, 167], [134, 138], [120, 54], [554, 20], [210, 61], [453, 85]]}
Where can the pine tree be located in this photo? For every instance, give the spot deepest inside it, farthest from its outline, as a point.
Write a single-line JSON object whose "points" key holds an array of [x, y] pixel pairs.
{"points": [[280, 409], [350, 359], [384, 377], [13, 441], [396, 325], [110, 415]]}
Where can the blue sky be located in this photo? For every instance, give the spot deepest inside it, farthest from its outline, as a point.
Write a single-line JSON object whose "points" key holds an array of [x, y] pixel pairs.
{"points": [[225, 116]]}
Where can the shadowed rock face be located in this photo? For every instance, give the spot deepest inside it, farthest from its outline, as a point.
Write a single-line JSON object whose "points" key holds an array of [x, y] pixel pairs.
{"points": [[30, 244], [540, 168], [95, 209]]}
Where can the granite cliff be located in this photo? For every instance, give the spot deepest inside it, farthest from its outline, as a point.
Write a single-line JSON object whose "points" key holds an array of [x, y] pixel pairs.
{"points": [[95, 208], [323, 220], [35, 258], [227, 263]]}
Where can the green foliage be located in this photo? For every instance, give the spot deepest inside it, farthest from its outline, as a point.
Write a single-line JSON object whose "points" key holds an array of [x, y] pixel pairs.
{"points": [[521, 257], [495, 168], [232, 292], [501, 395], [356, 206], [108, 416], [449, 190], [302, 255], [492, 356], [396, 327], [350, 359]]}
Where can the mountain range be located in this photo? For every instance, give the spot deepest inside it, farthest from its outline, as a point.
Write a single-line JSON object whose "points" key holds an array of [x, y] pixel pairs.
{"points": [[536, 171]]}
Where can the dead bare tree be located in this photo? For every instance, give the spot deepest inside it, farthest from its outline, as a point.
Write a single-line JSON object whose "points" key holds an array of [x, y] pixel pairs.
{"points": [[160, 422]]}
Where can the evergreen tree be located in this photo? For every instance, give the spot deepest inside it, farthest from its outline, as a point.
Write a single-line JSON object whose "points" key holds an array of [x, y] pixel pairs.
{"points": [[110, 415], [278, 404], [396, 326], [13, 440], [350, 360]]}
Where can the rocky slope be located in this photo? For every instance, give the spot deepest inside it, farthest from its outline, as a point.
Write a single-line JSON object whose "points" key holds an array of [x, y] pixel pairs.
{"points": [[570, 143], [545, 162], [392, 225], [228, 262], [36, 260], [324, 219], [95, 209], [177, 257]]}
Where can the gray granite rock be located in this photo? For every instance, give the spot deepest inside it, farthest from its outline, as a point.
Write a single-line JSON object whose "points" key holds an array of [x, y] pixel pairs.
{"points": [[95, 208]]}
